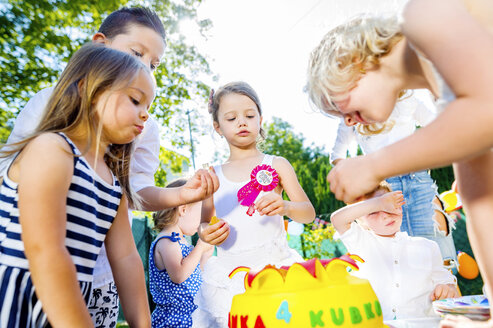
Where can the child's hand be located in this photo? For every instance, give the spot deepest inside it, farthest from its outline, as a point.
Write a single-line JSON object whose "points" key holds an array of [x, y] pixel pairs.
{"points": [[271, 204], [444, 291], [214, 234], [352, 178], [392, 202], [202, 185]]}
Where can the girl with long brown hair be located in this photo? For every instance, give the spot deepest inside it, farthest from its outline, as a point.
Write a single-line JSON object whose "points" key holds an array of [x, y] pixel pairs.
{"points": [[66, 193]]}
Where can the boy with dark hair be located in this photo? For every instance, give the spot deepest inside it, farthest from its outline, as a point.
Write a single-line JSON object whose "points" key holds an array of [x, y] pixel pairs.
{"points": [[140, 32]]}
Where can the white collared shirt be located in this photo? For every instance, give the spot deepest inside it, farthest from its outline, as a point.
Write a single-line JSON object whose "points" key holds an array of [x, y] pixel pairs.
{"points": [[407, 114], [402, 270]]}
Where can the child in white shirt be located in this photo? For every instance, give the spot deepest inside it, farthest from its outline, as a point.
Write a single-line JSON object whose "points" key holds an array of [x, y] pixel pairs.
{"points": [[405, 272]]}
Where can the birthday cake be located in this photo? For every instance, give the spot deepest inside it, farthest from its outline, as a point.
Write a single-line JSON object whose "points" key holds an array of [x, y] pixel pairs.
{"points": [[314, 293]]}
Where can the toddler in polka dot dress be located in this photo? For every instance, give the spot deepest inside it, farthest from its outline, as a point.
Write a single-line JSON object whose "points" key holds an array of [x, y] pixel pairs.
{"points": [[174, 265]]}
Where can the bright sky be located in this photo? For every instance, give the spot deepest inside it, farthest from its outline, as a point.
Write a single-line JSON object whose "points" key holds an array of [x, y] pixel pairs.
{"points": [[267, 44]]}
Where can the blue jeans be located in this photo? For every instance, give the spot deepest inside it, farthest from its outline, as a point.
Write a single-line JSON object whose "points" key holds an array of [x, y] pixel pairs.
{"points": [[419, 189]]}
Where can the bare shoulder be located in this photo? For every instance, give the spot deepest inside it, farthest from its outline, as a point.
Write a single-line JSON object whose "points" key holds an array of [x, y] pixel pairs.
{"points": [[424, 19], [280, 163], [165, 247], [48, 150], [49, 141], [425, 16], [287, 175]]}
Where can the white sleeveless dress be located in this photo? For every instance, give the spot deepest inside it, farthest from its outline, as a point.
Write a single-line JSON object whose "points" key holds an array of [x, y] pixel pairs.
{"points": [[254, 241]]}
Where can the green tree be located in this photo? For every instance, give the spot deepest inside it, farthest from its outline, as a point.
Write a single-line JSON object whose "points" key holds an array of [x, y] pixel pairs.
{"points": [[170, 162], [444, 177], [38, 36], [310, 163]]}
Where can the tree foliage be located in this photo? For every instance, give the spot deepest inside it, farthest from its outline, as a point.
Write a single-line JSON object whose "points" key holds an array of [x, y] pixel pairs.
{"points": [[311, 164], [38, 36], [444, 177], [171, 164]]}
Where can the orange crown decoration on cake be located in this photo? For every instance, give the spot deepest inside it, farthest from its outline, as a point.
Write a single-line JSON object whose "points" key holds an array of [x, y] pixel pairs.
{"points": [[314, 293]]}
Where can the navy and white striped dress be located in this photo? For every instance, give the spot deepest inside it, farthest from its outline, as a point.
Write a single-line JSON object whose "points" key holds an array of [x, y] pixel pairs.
{"points": [[92, 204]]}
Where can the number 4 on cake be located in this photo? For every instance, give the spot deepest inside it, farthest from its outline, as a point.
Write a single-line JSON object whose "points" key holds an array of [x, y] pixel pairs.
{"points": [[283, 312]]}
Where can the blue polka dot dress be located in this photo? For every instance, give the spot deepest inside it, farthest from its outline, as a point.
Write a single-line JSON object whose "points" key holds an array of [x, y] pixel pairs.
{"points": [[174, 302]]}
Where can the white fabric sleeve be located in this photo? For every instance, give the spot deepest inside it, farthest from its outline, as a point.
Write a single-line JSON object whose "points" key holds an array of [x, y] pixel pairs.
{"points": [[439, 274], [26, 122], [352, 238], [145, 160], [345, 136], [423, 114]]}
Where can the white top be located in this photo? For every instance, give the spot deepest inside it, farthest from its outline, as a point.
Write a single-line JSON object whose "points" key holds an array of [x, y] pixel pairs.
{"points": [[247, 232], [402, 270], [143, 165], [407, 114], [254, 241]]}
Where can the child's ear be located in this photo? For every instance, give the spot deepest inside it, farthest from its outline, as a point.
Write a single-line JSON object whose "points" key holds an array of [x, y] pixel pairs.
{"points": [[216, 127], [99, 38], [182, 209], [80, 87]]}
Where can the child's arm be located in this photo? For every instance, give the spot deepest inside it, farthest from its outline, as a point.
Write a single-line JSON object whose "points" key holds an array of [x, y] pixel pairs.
{"points": [[202, 185], [205, 256], [444, 281], [45, 172], [216, 233], [299, 208], [345, 136], [462, 54], [179, 268], [127, 269], [471, 112], [342, 218], [145, 162]]}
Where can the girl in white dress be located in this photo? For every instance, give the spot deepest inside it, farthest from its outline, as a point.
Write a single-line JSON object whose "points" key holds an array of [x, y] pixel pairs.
{"points": [[254, 240]]}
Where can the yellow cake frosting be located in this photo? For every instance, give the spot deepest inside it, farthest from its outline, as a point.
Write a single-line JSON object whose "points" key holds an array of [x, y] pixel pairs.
{"points": [[314, 293]]}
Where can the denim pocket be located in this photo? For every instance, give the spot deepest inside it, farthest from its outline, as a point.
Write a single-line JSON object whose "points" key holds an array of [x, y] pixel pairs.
{"points": [[422, 176]]}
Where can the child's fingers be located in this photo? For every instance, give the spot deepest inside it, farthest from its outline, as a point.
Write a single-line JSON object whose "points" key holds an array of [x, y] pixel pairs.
{"points": [[215, 231], [332, 182], [338, 192], [433, 295], [207, 179], [265, 201], [277, 211], [224, 233], [263, 206], [268, 209], [215, 179], [260, 204], [452, 292], [440, 292]]}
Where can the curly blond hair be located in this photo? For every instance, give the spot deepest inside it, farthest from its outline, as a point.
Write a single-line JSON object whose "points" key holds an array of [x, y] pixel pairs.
{"points": [[344, 54]]}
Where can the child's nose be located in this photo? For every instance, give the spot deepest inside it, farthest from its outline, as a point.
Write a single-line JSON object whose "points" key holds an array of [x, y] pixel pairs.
{"points": [[241, 121], [144, 115]]}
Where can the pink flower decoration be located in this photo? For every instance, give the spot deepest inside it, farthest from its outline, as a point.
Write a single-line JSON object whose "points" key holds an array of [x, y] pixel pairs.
{"points": [[263, 178]]}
